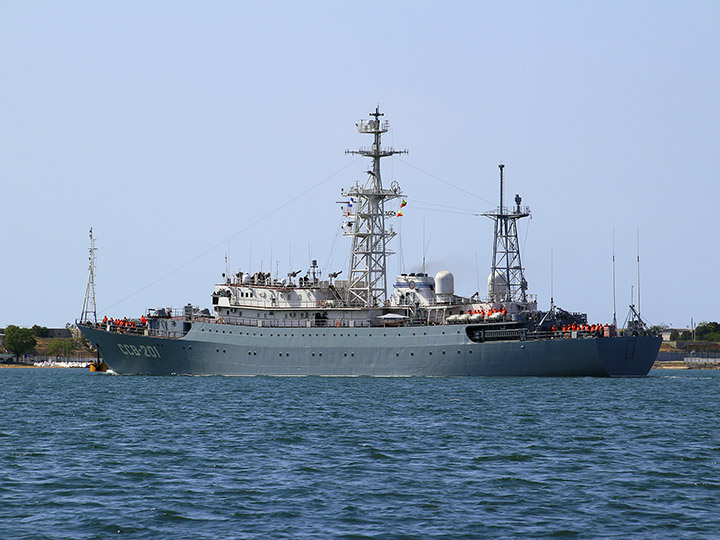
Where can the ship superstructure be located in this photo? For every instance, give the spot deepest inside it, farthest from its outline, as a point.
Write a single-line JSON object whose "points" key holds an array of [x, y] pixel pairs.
{"points": [[308, 324]]}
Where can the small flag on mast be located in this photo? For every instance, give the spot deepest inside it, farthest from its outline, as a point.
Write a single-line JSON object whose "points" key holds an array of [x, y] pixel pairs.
{"points": [[399, 214]]}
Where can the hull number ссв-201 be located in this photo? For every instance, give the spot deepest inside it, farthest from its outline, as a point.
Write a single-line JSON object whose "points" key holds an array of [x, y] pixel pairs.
{"points": [[141, 350]]}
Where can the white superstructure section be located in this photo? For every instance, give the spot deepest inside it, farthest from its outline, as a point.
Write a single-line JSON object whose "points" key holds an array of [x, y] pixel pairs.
{"points": [[259, 299]]}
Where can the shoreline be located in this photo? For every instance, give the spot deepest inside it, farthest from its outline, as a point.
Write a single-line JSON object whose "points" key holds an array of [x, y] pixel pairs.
{"points": [[674, 364], [33, 366], [17, 366], [667, 364], [25, 366]]}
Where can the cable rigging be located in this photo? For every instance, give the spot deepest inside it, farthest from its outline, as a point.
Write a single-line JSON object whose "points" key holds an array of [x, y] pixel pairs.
{"points": [[245, 229]]}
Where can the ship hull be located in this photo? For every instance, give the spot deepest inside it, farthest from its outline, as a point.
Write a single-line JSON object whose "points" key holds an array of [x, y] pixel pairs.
{"points": [[443, 350]]}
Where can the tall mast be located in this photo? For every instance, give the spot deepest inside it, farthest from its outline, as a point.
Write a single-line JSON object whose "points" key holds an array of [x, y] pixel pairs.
{"points": [[89, 302], [507, 279], [367, 278]]}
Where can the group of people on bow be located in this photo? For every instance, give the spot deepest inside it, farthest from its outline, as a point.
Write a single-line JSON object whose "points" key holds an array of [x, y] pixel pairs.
{"points": [[124, 325]]}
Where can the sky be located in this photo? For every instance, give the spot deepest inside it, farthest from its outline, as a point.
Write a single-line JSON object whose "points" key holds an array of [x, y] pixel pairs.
{"points": [[187, 132]]}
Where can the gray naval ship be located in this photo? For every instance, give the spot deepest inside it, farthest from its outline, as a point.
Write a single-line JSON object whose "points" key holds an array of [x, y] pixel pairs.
{"points": [[312, 325]]}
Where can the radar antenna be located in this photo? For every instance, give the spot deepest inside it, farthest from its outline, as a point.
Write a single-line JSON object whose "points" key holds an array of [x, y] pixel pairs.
{"points": [[507, 279], [89, 302], [367, 278]]}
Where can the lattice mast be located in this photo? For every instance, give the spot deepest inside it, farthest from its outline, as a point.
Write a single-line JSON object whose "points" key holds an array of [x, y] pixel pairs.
{"points": [[89, 302], [507, 279], [367, 277]]}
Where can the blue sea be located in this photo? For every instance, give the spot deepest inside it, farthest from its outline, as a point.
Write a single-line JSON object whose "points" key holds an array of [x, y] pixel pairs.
{"points": [[90, 455]]}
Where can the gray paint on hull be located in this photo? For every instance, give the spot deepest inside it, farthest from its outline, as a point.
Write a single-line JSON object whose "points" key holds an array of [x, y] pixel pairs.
{"points": [[217, 349]]}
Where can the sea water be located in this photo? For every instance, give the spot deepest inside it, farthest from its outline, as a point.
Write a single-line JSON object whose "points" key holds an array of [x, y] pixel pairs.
{"points": [[91, 455]]}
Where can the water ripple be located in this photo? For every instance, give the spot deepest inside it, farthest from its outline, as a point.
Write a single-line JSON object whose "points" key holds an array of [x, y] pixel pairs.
{"points": [[88, 456]]}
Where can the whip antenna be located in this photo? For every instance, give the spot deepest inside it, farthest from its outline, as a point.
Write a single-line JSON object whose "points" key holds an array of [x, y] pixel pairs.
{"points": [[613, 280]]}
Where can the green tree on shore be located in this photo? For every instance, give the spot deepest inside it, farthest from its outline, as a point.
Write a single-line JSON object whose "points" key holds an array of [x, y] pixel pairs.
{"points": [[61, 347], [40, 331], [19, 340], [705, 331]]}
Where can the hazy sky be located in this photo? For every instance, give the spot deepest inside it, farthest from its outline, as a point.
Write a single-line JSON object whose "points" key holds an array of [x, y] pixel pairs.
{"points": [[185, 131]]}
